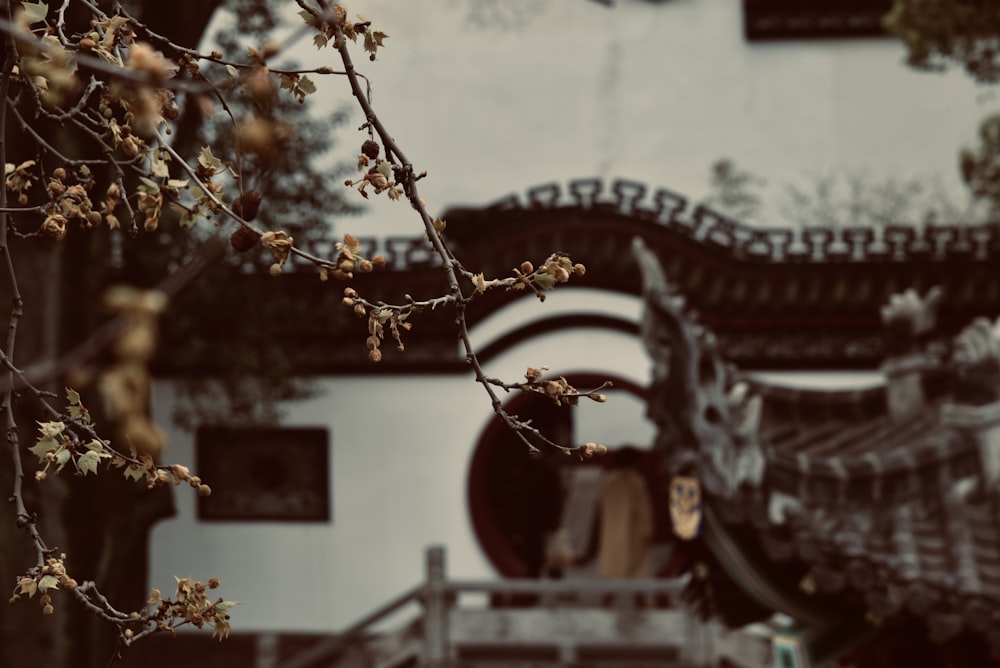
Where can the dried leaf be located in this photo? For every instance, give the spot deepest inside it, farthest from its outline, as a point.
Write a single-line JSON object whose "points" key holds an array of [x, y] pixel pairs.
{"points": [[28, 586]]}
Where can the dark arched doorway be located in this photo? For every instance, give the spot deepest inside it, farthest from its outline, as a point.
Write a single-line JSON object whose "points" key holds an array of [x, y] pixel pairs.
{"points": [[516, 498]]}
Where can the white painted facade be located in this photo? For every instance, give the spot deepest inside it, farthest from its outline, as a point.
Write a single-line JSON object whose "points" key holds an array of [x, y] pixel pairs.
{"points": [[649, 91], [400, 450]]}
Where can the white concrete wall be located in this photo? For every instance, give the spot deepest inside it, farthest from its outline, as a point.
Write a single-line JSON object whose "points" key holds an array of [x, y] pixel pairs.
{"points": [[654, 92], [400, 447], [649, 91]]}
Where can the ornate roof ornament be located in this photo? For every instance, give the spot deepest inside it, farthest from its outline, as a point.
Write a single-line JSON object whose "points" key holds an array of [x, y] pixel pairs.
{"points": [[908, 318], [707, 418], [909, 321], [976, 360], [881, 501]]}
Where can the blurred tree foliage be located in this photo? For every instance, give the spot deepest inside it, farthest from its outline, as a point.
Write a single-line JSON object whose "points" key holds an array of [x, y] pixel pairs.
{"points": [[981, 165], [733, 191], [942, 33], [105, 525], [215, 317], [939, 34]]}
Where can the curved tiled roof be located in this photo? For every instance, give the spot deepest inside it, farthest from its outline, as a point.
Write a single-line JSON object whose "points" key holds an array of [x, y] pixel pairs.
{"points": [[892, 508]]}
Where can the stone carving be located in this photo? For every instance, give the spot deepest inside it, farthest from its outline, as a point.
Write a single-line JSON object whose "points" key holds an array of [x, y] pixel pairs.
{"points": [[706, 419]]}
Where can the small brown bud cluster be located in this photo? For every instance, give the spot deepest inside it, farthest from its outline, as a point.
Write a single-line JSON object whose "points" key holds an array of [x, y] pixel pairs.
{"points": [[244, 239], [181, 474], [558, 268], [349, 259], [264, 136], [71, 201], [190, 605], [150, 205], [370, 149], [533, 374], [50, 576], [247, 205], [143, 58], [558, 390], [379, 318], [20, 179], [381, 176], [591, 449], [281, 246]]}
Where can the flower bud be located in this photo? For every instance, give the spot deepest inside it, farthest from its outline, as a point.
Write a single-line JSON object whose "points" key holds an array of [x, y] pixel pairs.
{"points": [[370, 149], [130, 148]]}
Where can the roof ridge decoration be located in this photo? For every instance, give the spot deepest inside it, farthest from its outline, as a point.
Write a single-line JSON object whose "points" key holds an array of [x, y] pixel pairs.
{"points": [[710, 416], [976, 359], [741, 241], [805, 243]]}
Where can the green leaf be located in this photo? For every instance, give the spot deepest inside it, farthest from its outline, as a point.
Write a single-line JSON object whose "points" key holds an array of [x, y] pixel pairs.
{"points": [[178, 183], [134, 472], [95, 445], [43, 446], [224, 606], [545, 281], [385, 169], [72, 396], [48, 582], [308, 18], [88, 461], [51, 429], [160, 169], [209, 161], [34, 12], [153, 186], [306, 85], [62, 456], [320, 40]]}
